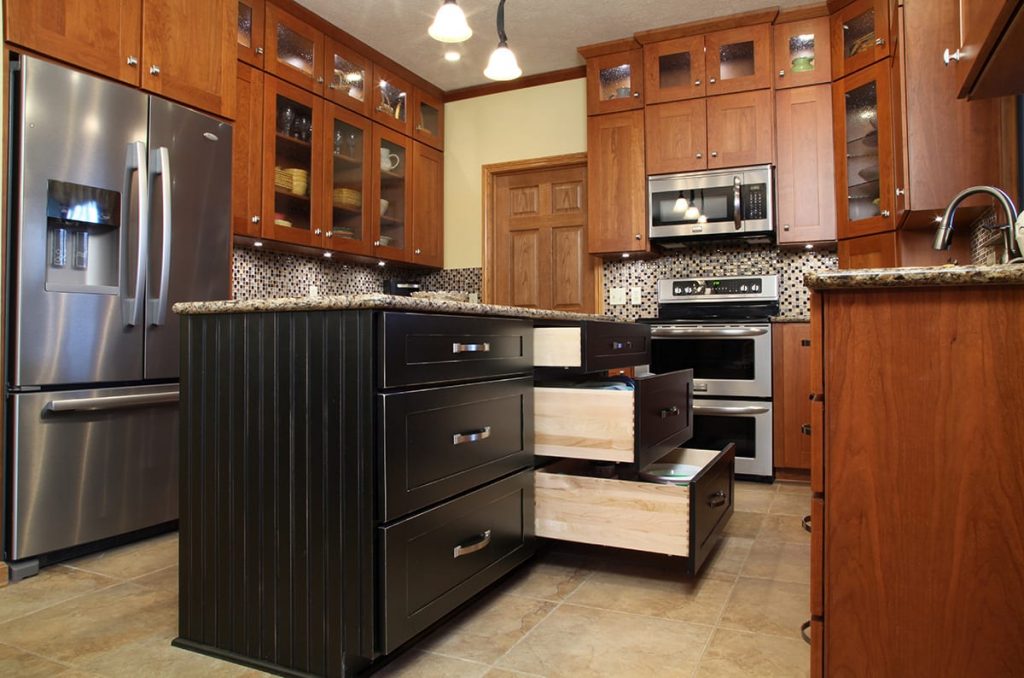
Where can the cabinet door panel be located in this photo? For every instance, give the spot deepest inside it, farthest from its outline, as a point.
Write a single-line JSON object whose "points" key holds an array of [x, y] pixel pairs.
{"points": [[740, 129], [614, 82], [616, 183], [860, 36], [676, 136], [674, 70], [390, 205], [872, 251], [348, 78], [791, 409], [247, 158], [428, 206], [348, 158], [805, 174], [102, 36], [392, 97], [738, 59], [251, 31], [189, 52], [294, 50], [802, 53], [428, 118]]}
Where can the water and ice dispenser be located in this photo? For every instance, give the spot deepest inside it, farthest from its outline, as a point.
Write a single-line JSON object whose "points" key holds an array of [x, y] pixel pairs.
{"points": [[83, 238]]}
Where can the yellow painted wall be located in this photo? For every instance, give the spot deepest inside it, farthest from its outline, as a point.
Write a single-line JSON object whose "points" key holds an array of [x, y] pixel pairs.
{"points": [[516, 125]]}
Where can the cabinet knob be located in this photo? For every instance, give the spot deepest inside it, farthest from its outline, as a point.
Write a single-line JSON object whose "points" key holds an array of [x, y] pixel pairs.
{"points": [[696, 83], [879, 41], [782, 73], [712, 81], [637, 236], [900, 191], [259, 50], [255, 219], [699, 156], [376, 243], [320, 79], [785, 227], [714, 154], [885, 213], [636, 94], [317, 231], [329, 234], [132, 61], [154, 70], [948, 56], [331, 85], [418, 251]]}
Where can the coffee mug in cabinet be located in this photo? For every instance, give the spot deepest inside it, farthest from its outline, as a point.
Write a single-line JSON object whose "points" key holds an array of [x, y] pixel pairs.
{"points": [[388, 161]]}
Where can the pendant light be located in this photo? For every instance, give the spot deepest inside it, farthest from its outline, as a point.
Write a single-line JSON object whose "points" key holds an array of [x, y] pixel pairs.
{"points": [[450, 24], [502, 64]]}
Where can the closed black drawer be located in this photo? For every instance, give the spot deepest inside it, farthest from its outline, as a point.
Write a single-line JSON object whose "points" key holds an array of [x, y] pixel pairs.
{"points": [[435, 349], [434, 561], [590, 346], [438, 442]]}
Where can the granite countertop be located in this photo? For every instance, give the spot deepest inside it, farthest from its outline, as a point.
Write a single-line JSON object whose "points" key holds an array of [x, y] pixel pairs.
{"points": [[375, 301], [926, 276], [791, 319]]}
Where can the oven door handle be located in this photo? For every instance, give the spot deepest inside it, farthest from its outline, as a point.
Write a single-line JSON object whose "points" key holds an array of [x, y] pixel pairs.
{"points": [[708, 332], [737, 203], [730, 411]]}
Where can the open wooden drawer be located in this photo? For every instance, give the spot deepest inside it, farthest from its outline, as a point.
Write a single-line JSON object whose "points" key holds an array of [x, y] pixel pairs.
{"points": [[679, 520], [620, 426]]}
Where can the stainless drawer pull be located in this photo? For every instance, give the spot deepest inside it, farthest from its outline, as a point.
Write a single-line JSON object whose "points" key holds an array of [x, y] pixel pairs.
{"points": [[672, 411], [717, 499], [471, 348], [752, 409], [481, 542], [806, 522], [472, 436]]}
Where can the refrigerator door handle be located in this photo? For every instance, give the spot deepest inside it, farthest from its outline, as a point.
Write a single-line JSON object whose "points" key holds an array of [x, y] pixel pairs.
{"points": [[112, 402], [134, 163], [161, 164]]}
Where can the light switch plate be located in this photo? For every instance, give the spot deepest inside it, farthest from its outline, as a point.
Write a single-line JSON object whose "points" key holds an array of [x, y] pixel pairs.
{"points": [[314, 291], [635, 297], [617, 296], [474, 298]]}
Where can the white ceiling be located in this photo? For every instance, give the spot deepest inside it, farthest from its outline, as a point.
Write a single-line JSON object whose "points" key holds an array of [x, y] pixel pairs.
{"points": [[544, 34]]}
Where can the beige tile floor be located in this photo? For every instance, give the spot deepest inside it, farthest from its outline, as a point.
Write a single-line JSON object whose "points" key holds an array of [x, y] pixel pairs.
{"points": [[573, 611]]}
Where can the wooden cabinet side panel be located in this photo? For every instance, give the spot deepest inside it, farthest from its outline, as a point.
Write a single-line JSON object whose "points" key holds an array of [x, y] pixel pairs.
{"points": [[816, 393], [616, 183], [870, 251], [924, 542], [805, 174]]}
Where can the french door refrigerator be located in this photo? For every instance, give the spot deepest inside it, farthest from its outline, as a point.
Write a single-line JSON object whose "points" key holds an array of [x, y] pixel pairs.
{"points": [[119, 207]]}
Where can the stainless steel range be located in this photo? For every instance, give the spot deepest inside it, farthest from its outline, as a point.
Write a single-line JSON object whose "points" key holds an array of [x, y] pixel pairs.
{"points": [[721, 329]]}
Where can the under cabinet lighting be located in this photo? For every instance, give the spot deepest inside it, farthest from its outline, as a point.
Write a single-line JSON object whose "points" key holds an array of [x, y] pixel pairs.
{"points": [[328, 255], [258, 243], [625, 255], [382, 264], [808, 246]]}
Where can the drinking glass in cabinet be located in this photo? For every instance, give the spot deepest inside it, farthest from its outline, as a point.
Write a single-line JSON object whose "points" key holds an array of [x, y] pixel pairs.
{"points": [[616, 82], [674, 70], [294, 50], [859, 34], [292, 163], [393, 189], [862, 162], [801, 52], [349, 78], [393, 101], [347, 182], [244, 25], [737, 60]]}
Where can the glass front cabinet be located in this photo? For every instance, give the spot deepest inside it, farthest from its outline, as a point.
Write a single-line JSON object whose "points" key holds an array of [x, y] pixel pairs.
{"points": [[251, 15], [349, 78], [802, 54], [392, 96], [862, 109], [674, 69], [349, 146], [860, 36], [294, 50], [428, 119], [392, 186], [614, 82]]}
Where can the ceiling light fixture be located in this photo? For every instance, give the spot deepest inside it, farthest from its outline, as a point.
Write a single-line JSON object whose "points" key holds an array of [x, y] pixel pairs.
{"points": [[452, 56], [450, 24], [502, 64]]}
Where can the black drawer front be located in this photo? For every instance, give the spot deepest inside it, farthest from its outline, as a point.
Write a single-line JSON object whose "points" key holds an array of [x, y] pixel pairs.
{"points": [[439, 442], [435, 349], [609, 345], [436, 560], [711, 505], [664, 414]]}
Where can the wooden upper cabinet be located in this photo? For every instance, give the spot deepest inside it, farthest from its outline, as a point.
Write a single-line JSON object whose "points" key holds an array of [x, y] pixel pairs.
{"points": [[674, 69], [978, 20], [860, 36], [294, 50], [738, 59], [805, 171], [247, 154], [251, 31], [428, 118], [740, 129], [614, 82], [616, 183], [676, 136], [348, 158], [189, 52], [427, 206], [102, 36], [392, 96], [349, 78], [863, 132], [802, 53], [391, 199]]}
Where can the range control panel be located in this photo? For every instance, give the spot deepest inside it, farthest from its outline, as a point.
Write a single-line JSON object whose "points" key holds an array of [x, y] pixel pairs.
{"points": [[732, 287]]}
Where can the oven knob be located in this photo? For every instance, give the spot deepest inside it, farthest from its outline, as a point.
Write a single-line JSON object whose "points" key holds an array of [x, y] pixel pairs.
{"points": [[743, 288], [688, 290], [755, 288]]}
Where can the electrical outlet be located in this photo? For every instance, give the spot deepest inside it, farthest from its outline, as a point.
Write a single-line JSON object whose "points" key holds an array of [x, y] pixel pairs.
{"points": [[635, 297], [474, 298], [313, 291], [617, 296]]}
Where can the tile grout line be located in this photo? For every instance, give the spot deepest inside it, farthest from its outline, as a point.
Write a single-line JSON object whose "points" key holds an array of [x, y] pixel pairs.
{"points": [[59, 662], [116, 582]]}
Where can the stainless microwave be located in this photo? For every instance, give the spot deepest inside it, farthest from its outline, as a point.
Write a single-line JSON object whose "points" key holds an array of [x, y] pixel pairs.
{"points": [[722, 203]]}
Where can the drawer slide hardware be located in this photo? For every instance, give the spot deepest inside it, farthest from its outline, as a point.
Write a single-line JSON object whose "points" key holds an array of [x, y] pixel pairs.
{"points": [[717, 499], [471, 348], [472, 436], [672, 411], [479, 543]]}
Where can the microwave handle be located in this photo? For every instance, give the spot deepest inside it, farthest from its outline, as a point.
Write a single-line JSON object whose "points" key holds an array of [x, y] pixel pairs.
{"points": [[737, 205]]}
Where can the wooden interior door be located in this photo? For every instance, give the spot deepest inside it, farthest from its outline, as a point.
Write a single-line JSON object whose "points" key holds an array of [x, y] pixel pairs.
{"points": [[102, 36], [538, 249]]}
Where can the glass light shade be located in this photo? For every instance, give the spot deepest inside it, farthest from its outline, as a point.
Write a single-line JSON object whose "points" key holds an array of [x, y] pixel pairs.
{"points": [[502, 65], [692, 213], [681, 205], [450, 24]]}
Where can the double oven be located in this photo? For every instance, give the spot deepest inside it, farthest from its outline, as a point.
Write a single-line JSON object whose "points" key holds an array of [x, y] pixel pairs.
{"points": [[721, 329]]}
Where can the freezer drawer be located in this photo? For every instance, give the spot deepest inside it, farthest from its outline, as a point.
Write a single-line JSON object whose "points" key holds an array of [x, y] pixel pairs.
{"points": [[91, 464]]}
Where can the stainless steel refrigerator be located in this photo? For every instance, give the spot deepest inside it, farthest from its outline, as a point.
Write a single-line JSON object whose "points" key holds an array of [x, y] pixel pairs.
{"points": [[119, 206]]}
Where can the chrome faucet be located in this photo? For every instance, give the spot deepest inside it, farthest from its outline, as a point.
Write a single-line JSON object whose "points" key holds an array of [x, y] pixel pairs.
{"points": [[1013, 231]]}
